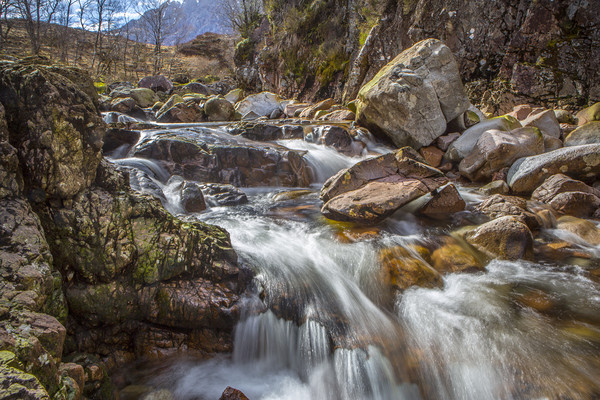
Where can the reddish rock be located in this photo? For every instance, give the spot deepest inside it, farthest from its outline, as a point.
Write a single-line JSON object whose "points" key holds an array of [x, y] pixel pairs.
{"points": [[232, 394], [444, 203], [432, 155], [443, 142]]}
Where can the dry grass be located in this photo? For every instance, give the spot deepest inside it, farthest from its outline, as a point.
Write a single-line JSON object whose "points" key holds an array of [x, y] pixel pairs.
{"points": [[120, 59]]}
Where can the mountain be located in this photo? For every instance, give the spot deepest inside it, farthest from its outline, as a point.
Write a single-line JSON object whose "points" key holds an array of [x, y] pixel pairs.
{"points": [[185, 20]]}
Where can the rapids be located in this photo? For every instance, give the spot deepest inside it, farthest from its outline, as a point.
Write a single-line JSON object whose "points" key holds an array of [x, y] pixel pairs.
{"points": [[318, 323]]}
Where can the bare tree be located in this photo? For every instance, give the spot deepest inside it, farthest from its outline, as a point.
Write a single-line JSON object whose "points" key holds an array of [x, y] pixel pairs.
{"points": [[6, 7], [102, 15], [241, 15], [159, 20], [36, 13]]}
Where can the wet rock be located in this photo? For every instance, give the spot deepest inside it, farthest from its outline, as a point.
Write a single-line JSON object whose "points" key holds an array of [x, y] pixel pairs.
{"points": [[500, 206], [586, 230], [496, 150], [453, 257], [158, 83], [291, 194], [56, 128], [212, 156], [218, 109], [311, 111], [261, 104], [585, 134], [495, 187], [432, 155], [263, 131], [217, 195], [506, 238], [162, 394], [232, 394], [402, 268], [461, 147], [192, 199], [578, 162], [589, 114], [444, 202], [337, 137], [374, 189], [413, 97], [121, 139]]}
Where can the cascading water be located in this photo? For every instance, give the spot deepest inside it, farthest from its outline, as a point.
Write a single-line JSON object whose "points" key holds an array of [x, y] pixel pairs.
{"points": [[319, 325]]}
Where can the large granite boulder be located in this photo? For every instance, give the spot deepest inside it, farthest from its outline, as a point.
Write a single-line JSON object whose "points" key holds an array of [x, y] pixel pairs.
{"points": [[212, 156], [374, 189], [578, 162], [157, 83], [218, 109], [585, 134], [262, 104], [413, 97], [496, 150]]}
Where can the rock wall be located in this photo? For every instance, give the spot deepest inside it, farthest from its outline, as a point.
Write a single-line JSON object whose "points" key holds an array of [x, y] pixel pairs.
{"points": [[87, 265], [509, 51]]}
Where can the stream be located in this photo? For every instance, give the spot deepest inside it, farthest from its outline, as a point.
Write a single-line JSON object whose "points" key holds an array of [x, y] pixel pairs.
{"points": [[319, 323]]}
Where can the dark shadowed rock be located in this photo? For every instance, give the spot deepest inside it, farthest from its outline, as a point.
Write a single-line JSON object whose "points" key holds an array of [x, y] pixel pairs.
{"points": [[223, 195], [192, 199], [212, 156], [158, 83], [264, 131]]}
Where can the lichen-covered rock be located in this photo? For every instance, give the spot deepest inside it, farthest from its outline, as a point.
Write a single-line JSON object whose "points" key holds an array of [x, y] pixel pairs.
{"points": [[218, 109], [11, 180], [19, 385], [144, 97], [413, 97], [588, 114], [123, 105], [506, 238], [55, 127], [496, 150], [212, 156], [545, 121], [585, 134], [578, 162], [181, 112]]}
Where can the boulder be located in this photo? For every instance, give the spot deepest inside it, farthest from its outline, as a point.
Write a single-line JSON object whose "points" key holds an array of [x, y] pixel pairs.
{"points": [[495, 187], [261, 104], [585, 134], [505, 238], [578, 162], [444, 202], [119, 139], [264, 131], [374, 189], [432, 155], [311, 111], [204, 155], [218, 109], [565, 117], [337, 137], [545, 121], [175, 99], [144, 97], [413, 97], [461, 147], [339, 115], [158, 83], [234, 96], [11, 179], [182, 112], [498, 205], [294, 109], [578, 204], [192, 199], [123, 105], [560, 183], [496, 150], [589, 114], [217, 195], [195, 87]]}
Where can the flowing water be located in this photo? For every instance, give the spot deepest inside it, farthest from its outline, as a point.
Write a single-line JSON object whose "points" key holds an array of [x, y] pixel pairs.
{"points": [[320, 324]]}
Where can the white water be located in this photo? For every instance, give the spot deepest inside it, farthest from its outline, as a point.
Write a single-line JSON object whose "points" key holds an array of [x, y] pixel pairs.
{"points": [[320, 331]]}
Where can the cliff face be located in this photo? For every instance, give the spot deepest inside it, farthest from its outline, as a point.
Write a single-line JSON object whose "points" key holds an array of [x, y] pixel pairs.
{"points": [[508, 50]]}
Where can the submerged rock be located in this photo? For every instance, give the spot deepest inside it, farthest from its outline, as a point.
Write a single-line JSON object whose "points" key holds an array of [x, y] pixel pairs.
{"points": [[402, 268], [413, 97], [223, 195]]}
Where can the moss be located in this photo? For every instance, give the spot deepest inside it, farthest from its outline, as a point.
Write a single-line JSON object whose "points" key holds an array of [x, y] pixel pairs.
{"points": [[244, 51], [100, 87]]}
